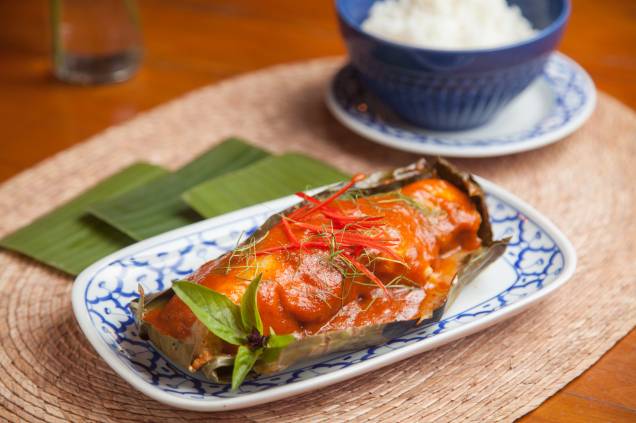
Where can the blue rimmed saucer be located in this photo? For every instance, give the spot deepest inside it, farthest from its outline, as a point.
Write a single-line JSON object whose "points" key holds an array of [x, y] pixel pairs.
{"points": [[554, 106]]}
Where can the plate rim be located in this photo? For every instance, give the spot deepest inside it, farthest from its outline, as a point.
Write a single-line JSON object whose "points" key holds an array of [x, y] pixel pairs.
{"points": [[531, 143], [273, 394]]}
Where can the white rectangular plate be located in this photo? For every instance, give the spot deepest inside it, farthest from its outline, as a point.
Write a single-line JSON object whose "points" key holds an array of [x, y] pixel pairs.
{"points": [[538, 260]]}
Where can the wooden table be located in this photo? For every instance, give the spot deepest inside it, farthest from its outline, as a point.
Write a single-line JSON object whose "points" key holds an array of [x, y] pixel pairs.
{"points": [[191, 43]]}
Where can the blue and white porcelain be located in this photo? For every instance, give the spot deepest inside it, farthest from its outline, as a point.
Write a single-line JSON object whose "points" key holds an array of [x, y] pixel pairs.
{"points": [[450, 89], [552, 107], [538, 260]]}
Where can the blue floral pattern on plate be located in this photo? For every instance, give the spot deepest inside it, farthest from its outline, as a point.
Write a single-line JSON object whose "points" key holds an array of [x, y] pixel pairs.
{"points": [[573, 93], [532, 261]]}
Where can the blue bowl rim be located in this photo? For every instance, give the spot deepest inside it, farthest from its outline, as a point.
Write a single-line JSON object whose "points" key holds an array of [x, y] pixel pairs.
{"points": [[544, 33]]}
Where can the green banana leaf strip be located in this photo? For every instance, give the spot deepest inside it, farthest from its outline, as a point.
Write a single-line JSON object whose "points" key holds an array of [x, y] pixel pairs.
{"points": [[157, 207], [294, 349], [265, 180], [67, 238]]}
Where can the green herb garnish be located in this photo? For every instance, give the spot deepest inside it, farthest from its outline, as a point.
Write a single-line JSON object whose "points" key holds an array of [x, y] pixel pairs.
{"points": [[236, 325]]}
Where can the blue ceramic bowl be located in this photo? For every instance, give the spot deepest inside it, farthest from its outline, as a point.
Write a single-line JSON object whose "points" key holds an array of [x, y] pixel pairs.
{"points": [[450, 89]]}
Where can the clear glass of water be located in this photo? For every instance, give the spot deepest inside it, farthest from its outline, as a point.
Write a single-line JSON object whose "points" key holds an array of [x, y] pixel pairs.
{"points": [[95, 41]]}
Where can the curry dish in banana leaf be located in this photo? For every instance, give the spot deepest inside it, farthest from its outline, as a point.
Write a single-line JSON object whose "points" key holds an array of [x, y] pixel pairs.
{"points": [[353, 266]]}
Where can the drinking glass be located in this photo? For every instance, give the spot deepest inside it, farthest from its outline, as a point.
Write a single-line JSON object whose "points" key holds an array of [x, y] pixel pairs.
{"points": [[95, 41]]}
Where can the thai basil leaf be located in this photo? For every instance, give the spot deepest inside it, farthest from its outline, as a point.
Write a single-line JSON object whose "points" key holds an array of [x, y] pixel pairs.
{"points": [[275, 344], [220, 315], [270, 354], [243, 363], [249, 307], [280, 341]]}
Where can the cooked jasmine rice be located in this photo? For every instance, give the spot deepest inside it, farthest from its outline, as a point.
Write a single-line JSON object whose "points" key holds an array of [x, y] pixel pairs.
{"points": [[448, 24]]}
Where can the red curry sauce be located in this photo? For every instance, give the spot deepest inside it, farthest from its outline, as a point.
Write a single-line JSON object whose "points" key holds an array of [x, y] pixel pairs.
{"points": [[425, 229]]}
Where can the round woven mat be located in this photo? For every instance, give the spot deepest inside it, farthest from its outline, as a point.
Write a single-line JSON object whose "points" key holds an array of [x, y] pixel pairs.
{"points": [[585, 184]]}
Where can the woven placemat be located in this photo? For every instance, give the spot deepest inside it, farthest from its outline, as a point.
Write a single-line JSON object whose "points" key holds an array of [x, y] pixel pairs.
{"points": [[585, 184]]}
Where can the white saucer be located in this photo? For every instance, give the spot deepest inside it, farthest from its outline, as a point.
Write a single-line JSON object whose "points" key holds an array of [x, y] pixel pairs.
{"points": [[554, 106]]}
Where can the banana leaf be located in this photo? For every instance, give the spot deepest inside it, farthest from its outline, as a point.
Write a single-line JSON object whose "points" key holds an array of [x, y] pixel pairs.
{"points": [[307, 347], [157, 207], [69, 239], [265, 180]]}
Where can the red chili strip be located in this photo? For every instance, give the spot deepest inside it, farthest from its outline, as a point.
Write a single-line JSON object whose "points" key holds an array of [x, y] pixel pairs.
{"points": [[351, 238], [307, 197], [340, 219], [309, 226], [363, 222], [328, 212], [378, 247], [356, 178], [309, 244], [288, 231], [361, 267], [354, 219], [293, 215]]}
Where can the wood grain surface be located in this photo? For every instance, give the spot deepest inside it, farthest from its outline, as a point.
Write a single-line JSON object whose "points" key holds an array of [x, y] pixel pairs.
{"points": [[192, 43]]}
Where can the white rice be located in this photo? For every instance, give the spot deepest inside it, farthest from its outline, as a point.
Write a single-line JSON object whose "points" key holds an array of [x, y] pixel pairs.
{"points": [[448, 24]]}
